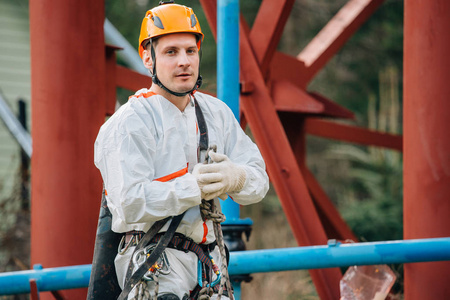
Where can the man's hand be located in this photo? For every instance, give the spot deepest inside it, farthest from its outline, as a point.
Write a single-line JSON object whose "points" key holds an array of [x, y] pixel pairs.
{"points": [[220, 177]]}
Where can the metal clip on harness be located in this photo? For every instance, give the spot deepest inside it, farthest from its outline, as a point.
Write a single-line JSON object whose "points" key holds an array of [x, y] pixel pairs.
{"points": [[161, 266]]}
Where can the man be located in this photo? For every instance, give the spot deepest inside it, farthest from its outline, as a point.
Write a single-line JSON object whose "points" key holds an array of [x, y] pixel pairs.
{"points": [[150, 156]]}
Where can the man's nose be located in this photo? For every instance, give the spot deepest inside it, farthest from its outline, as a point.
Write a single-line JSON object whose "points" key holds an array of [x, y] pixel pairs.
{"points": [[183, 59]]}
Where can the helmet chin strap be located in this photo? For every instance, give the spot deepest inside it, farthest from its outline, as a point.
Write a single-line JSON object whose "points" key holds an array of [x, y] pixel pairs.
{"points": [[156, 80]]}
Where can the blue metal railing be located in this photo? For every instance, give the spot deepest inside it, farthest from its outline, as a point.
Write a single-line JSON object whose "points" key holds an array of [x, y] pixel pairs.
{"points": [[336, 254], [48, 279], [256, 261]]}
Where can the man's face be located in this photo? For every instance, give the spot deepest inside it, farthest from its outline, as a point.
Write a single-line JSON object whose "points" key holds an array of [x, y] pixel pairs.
{"points": [[177, 61]]}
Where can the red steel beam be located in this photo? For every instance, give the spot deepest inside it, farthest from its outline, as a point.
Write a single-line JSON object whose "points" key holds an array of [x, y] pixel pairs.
{"points": [[286, 67], [294, 126], [210, 10], [334, 35], [331, 108], [287, 97], [284, 173], [68, 108], [426, 126], [34, 292], [290, 98], [353, 134], [268, 28]]}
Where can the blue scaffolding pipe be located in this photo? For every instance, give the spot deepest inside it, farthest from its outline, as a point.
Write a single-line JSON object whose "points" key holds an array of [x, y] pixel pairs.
{"points": [[228, 53], [257, 261], [336, 254], [228, 89], [49, 279]]}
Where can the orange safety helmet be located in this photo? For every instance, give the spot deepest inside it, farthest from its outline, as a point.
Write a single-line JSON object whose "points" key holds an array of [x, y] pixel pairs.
{"points": [[168, 18]]}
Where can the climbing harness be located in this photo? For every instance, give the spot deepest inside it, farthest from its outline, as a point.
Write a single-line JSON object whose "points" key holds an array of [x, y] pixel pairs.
{"points": [[132, 279]]}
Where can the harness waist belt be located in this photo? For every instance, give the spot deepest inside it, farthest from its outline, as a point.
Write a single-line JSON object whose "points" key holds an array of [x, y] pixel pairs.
{"points": [[179, 241]]}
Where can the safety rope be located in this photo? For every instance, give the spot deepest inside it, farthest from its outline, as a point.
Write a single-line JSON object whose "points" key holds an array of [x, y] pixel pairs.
{"points": [[143, 288], [206, 292], [209, 211]]}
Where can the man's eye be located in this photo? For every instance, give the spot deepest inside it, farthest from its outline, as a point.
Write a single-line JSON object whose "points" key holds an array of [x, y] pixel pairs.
{"points": [[170, 52]]}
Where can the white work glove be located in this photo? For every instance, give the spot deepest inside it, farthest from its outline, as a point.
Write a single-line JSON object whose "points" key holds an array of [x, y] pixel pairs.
{"points": [[220, 177]]}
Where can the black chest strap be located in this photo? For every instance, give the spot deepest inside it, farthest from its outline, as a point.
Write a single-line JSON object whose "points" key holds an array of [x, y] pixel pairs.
{"points": [[204, 141]]}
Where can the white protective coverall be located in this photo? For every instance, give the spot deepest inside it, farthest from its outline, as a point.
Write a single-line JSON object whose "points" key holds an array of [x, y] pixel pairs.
{"points": [[146, 152]]}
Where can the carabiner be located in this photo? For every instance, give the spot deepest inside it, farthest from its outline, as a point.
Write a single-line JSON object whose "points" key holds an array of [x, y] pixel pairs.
{"points": [[199, 275], [161, 266], [127, 245]]}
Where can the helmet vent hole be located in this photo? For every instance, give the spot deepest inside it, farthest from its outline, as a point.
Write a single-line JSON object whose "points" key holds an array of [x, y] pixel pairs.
{"points": [[157, 21], [193, 20]]}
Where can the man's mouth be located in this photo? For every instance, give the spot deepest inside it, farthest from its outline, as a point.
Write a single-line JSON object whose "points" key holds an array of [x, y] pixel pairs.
{"points": [[183, 75]]}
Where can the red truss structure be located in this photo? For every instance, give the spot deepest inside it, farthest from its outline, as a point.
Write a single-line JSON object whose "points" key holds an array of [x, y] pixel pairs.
{"points": [[281, 112], [74, 82]]}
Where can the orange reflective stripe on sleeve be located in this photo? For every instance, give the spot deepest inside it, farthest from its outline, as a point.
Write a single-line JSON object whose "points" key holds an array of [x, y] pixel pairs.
{"points": [[173, 175]]}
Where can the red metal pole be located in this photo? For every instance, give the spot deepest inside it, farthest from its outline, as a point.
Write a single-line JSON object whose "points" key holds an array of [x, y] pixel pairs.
{"points": [[68, 107], [426, 140]]}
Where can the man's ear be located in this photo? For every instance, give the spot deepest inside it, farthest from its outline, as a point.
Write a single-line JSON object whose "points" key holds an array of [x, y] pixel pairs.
{"points": [[147, 59]]}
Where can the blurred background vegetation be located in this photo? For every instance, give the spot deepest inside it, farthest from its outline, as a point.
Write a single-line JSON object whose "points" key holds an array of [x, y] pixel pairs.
{"points": [[365, 183]]}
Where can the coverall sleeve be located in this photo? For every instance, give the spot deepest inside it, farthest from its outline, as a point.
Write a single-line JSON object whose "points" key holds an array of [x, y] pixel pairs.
{"points": [[242, 151], [124, 154]]}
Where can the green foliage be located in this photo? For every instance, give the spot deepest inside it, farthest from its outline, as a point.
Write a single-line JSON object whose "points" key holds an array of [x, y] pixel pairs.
{"points": [[371, 191], [375, 219], [371, 202]]}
